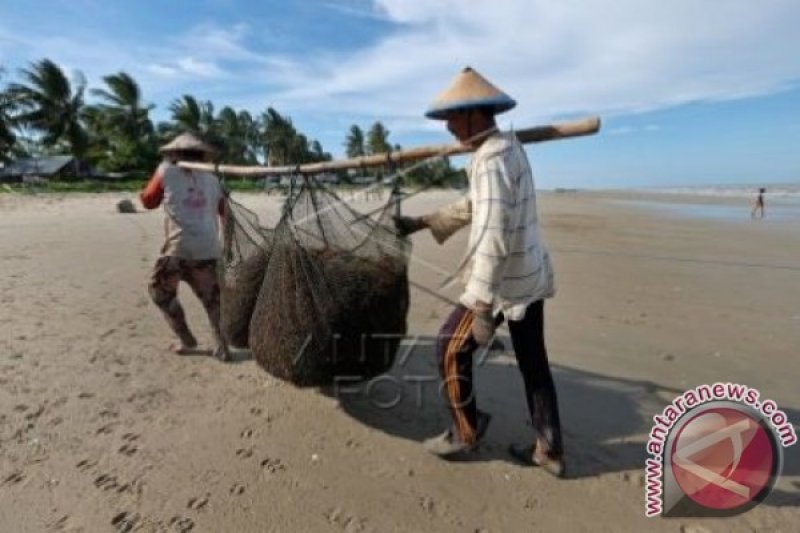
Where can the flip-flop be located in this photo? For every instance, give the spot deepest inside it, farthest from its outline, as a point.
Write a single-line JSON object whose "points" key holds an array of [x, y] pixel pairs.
{"points": [[222, 354], [179, 349]]}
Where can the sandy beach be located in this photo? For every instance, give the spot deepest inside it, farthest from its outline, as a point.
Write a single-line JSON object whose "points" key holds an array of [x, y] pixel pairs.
{"points": [[102, 429]]}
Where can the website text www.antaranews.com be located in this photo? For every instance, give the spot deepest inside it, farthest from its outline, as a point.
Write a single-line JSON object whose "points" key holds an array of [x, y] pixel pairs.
{"points": [[690, 399]]}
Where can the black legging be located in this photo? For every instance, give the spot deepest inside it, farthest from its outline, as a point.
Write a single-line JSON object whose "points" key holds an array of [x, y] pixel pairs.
{"points": [[455, 349]]}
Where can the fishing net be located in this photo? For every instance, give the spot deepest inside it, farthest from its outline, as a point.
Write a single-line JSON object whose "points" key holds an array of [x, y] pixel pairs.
{"points": [[333, 294], [334, 297], [245, 247]]}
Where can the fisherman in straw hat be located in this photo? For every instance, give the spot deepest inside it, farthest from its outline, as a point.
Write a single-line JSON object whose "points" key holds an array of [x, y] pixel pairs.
{"points": [[507, 271], [193, 201]]}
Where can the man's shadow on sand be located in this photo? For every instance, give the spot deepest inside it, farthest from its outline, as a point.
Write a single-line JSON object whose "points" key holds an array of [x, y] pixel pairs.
{"points": [[606, 420]]}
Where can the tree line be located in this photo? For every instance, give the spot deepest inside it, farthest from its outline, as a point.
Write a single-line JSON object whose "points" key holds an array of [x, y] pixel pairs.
{"points": [[43, 111]]}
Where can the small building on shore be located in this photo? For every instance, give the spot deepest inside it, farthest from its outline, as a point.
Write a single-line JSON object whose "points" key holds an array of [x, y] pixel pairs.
{"points": [[34, 169]]}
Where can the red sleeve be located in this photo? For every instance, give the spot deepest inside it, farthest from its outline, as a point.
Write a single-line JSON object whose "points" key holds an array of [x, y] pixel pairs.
{"points": [[153, 192]]}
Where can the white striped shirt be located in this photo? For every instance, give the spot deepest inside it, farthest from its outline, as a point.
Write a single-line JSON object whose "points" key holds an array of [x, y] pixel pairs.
{"points": [[507, 264]]}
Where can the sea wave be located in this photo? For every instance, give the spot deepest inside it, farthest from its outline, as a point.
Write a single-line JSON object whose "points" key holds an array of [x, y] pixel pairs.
{"points": [[782, 190]]}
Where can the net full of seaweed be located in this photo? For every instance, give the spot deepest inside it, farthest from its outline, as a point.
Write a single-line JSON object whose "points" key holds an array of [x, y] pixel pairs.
{"points": [[333, 295], [245, 247]]}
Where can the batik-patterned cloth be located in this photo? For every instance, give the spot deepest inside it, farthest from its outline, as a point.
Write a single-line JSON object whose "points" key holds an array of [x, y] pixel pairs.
{"points": [[201, 276]]}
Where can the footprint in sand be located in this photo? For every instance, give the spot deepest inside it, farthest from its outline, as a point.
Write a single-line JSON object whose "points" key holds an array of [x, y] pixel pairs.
{"points": [[129, 448], [272, 466], [244, 453], [198, 503], [531, 504], [62, 524], [181, 524], [86, 465], [237, 489], [349, 523], [106, 482], [125, 522], [427, 503], [33, 415], [14, 478], [105, 430], [256, 411], [246, 434]]}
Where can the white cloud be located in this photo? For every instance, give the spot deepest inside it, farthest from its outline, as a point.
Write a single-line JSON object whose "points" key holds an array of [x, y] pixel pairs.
{"points": [[197, 67], [627, 129], [620, 130], [212, 42], [561, 58], [349, 9], [557, 58], [164, 71]]}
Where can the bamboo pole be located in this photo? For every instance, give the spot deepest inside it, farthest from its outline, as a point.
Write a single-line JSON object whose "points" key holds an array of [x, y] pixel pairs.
{"points": [[563, 130]]}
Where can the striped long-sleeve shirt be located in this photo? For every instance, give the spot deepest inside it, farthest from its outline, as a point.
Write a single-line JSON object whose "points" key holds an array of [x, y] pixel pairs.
{"points": [[507, 265]]}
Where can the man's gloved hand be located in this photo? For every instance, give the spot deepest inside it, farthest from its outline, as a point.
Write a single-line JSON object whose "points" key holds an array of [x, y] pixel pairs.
{"points": [[483, 325], [408, 225]]}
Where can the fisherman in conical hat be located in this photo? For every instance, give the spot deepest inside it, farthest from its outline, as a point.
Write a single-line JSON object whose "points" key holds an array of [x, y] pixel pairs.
{"points": [[193, 202], [507, 272]]}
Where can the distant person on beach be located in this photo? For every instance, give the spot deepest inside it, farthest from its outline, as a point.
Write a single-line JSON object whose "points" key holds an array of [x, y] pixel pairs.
{"points": [[193, 202], [507, 269], [758, 206]]}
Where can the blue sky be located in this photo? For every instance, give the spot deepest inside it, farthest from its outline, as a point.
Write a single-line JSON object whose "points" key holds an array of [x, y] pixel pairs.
{"points": [[690, 92]]}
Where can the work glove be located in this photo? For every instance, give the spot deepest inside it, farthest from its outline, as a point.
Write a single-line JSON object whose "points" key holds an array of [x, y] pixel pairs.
{"points": [[483, 325], [408, 225]]}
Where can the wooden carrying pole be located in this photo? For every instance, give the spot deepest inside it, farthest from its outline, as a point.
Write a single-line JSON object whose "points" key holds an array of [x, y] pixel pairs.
{"points": [[563, 130]]}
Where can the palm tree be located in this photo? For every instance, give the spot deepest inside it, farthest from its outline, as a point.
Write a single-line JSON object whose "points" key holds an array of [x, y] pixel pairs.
{"points": [[186, 113], [251, 137], [7, 137], [123, 103], [378, 139], [318, 153], [354, 143], [279, 137], [193, 116], [49, 103], [231, 132], [122, 123]]}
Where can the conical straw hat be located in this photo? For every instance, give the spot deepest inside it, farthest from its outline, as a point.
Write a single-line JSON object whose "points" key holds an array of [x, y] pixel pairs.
{"points": [[470, 90], [188, 143]]}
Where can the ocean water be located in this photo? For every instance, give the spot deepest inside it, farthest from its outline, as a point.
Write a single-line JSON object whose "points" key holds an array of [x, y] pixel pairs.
{"points": [[786, 191], [782, 201], [775, 211]]}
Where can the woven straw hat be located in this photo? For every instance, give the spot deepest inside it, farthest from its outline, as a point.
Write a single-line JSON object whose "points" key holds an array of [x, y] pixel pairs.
{"points": [[186, 142], [468, 91]]}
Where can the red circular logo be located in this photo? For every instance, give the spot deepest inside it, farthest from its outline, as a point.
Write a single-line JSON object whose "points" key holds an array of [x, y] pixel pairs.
{"points": [[723, 458]]}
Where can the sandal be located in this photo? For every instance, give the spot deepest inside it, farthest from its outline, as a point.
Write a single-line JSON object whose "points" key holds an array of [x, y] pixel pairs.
{"points": [[526, 456]]}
